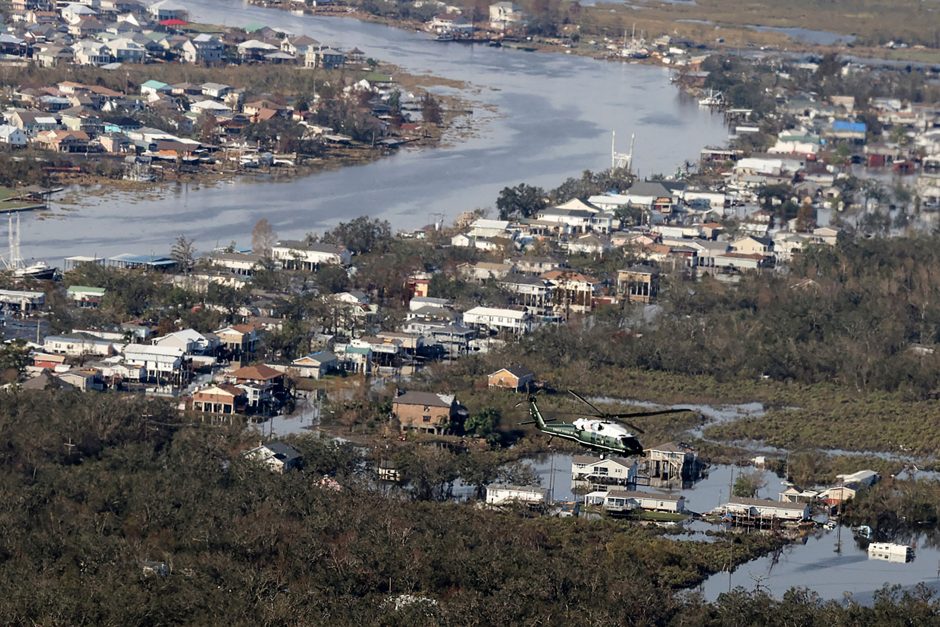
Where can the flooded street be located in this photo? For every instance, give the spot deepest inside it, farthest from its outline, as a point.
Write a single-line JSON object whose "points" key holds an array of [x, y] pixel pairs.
{"points": [[539, 118]]}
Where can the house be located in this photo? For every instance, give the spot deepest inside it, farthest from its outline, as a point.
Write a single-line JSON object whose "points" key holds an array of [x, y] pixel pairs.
{"points": [[531, 292], [238, 339], [87, 52], [638, 284], [85, 296], [326, 58], [496, 320], [160, 363], [505, 15], [222, 398], [299, 45], [858, 480], [297, 255], [513, 494], [483, 270], [573, 292], [425, 412], [315, 365], [671, 461], [78, 345], [619, 501], [589, 244], [598, 473], [12, 136], [84, 379], [761, 511], [154, 88], [243, 264], [203, 49], [215, 90], [511, 378], [63, 141], [167, 10], [32, 122], [190, 341], [752, 245], [277, 456], [260, 382]]}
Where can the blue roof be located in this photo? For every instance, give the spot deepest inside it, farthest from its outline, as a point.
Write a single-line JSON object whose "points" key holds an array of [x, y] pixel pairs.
{"points": [[852, 127], [155, 84], [144, 260]]}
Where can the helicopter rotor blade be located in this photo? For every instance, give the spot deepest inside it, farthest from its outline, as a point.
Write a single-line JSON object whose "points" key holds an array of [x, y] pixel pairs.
{"points": [[586, 402], [639, 414]]}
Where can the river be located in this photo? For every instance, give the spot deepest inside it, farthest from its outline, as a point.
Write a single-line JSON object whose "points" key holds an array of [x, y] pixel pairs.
{"points": [[539, 118]]}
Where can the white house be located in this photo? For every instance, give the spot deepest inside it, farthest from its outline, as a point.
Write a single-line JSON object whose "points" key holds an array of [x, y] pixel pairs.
{"points": [[158, 362], [303, 256], [593, 472], [315, 365], [77, 345], [508, 494], [12, 136], [623, 500], [189, 341], [766, 509], [497, 319], [167, 10], [277, 456], [505, 15]]}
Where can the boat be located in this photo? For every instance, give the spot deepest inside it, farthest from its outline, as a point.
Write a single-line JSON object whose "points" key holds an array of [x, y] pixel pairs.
{"points": [[445, 36], [890, 552], [862, 531], [39, 270], [35, 269], [713, 99], [635, 49]]}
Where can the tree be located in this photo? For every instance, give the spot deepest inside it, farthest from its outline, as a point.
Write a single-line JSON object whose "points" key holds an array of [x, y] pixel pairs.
{"points": [[184, 254], [362, 235], [431, 109], [521, 201], [263, 238], [13, 360], [748, 484], [484, 423]]}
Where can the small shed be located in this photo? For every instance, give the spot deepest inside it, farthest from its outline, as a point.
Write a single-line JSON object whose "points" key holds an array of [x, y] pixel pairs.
{"points": [[511, 378]]}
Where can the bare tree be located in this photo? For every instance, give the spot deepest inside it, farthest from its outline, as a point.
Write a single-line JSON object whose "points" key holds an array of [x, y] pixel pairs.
{"points": [[263, 238], [184, 253]]}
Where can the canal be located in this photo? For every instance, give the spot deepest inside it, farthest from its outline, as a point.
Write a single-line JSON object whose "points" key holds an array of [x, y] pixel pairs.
{"points": [[538, 118]]}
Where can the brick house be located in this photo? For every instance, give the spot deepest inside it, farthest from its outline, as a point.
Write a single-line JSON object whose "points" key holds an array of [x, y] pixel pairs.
{"points": [[425, 412]]}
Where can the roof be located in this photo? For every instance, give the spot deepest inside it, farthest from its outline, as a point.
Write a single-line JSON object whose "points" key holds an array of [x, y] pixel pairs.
{"points": [[633, 494], [428, 399], [737, 500], [257, 373], [517, 371], [851, 127]]}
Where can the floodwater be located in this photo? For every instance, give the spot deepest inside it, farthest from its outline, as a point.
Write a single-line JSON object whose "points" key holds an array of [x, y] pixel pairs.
{"points": [[806, 35], [814, 563], [703, 496], [538, 118]]}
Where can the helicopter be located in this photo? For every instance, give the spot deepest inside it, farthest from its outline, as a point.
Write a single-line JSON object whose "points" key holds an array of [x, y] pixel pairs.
{"points": [[599, 430]]}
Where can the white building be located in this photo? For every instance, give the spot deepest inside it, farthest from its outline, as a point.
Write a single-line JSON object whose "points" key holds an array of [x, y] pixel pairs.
{"points": [[12, 136], [622, 501], [303, 256], [277, 456], [508, 494], [505, 15], [77, 345], [496, 319], [158, 362]]}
